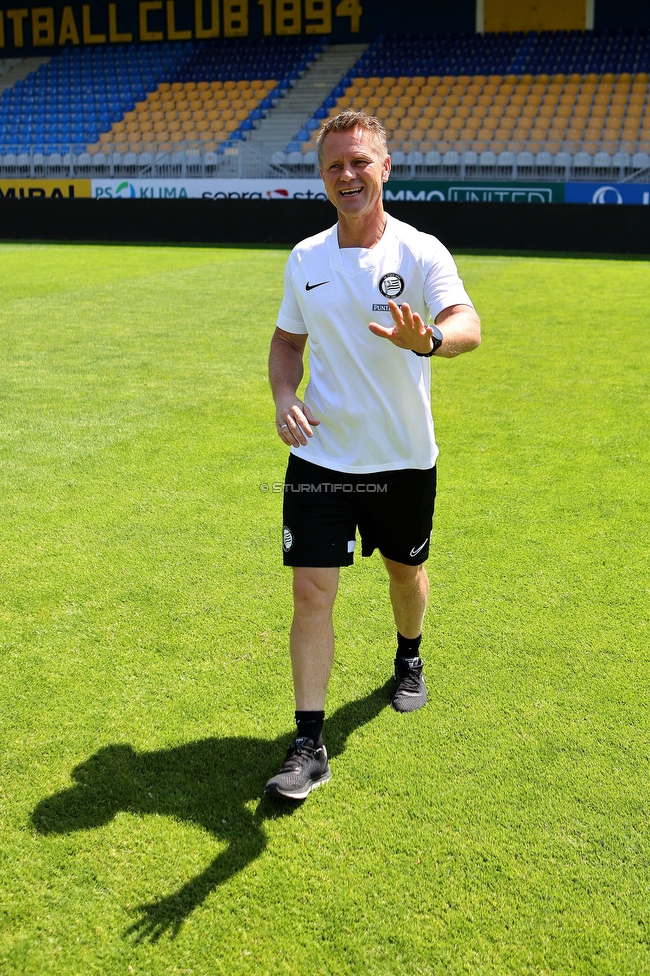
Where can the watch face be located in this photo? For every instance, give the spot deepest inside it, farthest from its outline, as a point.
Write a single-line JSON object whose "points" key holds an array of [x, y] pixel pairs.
{"points": [[436, 337]]}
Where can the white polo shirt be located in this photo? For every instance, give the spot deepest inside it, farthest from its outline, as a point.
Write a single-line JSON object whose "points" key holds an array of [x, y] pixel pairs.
{"points": [[371, 397]]}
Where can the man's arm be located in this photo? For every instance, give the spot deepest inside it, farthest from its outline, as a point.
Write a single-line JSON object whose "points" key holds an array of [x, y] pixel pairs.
{"points": [[292, 417], [461, 330]]}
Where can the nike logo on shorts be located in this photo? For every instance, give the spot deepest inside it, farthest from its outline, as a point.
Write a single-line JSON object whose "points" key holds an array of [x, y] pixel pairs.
{"points": [[309, 287], [415, 551]]}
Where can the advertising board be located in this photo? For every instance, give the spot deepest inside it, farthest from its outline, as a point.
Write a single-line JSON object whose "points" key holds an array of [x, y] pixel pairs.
{"points": [[474, 191], [420, 191], [208, 189], [616, 193], [26, 189]]}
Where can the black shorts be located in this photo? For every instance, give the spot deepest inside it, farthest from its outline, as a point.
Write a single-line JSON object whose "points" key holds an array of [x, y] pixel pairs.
{"points": [[322, 510]]}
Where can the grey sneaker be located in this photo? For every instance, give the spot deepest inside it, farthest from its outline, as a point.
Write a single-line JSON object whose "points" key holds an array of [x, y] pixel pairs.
{"points": [[411, 691], [304, 768]]}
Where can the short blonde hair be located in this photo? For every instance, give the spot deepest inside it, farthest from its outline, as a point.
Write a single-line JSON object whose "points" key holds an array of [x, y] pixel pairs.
{"points": [[345, 122]]}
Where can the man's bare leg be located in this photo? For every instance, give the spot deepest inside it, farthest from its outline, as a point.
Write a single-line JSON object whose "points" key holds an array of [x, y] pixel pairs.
{"points": [[312, 655], [409, 592], [312, 634]]}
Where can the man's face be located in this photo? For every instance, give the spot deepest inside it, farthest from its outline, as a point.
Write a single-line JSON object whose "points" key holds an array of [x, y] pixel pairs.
{"points": [[354, 171]]}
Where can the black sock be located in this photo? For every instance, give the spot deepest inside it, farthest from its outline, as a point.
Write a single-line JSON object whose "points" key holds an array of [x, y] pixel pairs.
{"points": [[408, 646], [310, 724]]}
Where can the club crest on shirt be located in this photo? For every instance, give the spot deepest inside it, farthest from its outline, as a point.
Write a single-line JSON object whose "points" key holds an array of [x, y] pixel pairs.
{"points": [[391, 285]]}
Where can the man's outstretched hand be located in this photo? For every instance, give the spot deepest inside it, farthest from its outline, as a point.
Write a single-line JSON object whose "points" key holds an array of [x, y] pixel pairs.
{"points": [[409, 331]]}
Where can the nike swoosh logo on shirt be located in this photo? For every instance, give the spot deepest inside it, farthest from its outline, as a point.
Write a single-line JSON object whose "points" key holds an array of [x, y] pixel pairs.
{"points": [[309, 287], [414, 551]]}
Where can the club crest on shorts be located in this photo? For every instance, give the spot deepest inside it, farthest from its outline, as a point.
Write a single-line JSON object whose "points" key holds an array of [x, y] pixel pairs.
{"points": [[391, 285], [287, 538]]}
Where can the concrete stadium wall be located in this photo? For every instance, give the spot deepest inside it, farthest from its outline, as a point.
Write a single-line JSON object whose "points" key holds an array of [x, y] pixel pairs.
{"points": [[573, 228]]}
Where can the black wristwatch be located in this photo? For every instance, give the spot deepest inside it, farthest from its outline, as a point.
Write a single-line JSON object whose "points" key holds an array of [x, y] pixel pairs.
{"points": [[436, 339]]}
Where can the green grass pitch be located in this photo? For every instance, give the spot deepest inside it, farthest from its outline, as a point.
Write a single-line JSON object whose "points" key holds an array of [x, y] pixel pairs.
{"points": [[145, 692]]}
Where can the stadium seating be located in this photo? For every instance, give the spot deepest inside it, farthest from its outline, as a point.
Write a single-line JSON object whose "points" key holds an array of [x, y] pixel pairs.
{"points": [[476, 103], [85, 100], [504, 113], [549, 92]]}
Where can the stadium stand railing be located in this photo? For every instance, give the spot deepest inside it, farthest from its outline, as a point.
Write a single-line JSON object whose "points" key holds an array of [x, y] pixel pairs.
{"points": [[559, 106]]}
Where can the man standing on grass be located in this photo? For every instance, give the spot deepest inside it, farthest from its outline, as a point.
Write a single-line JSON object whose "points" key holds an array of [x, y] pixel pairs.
{"points": [[362, 444]]}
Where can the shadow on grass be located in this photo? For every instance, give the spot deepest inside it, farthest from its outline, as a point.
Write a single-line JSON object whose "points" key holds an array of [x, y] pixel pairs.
{"points": [[208, 783]]}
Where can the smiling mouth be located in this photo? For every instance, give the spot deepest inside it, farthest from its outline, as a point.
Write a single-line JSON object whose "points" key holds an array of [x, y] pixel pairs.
{"points": [[353, 192]]}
